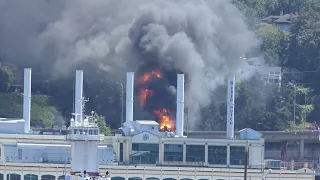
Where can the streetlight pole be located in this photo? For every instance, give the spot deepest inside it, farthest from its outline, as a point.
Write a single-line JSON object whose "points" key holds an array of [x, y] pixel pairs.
{"points": [[187, 118], [294, 105], [121, 103]]}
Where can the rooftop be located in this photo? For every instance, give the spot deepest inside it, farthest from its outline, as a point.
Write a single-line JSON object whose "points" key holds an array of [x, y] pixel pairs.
{"points": [[11, 120], [280, 19], [147, 122]]}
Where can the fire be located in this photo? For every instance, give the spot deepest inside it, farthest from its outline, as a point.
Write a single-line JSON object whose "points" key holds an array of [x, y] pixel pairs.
{"points": [[165, 119], [147, 76], [144, 93], [163, 115]]}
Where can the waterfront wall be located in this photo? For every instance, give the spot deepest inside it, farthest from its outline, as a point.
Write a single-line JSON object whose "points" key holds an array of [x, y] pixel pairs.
{"points": [[34, 171]]}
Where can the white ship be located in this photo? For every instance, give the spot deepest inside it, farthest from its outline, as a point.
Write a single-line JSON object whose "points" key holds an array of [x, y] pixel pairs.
{"points": [[139, 152]]}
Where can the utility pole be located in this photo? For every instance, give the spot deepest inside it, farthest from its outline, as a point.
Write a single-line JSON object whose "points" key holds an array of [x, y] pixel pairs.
{"points": [[294, 104], [121, 103], [187, 118], [246, 160]]}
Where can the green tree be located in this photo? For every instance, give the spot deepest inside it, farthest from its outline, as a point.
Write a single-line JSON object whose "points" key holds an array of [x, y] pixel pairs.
{"points": [[303, 51], [291, 6], [212, 119], [6, 78], [42, 113], [253, 10], [274, 43], [104, 129], [104, 98]]}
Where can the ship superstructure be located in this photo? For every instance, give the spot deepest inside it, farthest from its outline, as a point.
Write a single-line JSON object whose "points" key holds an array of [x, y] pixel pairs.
{"points": [[84, 136]]}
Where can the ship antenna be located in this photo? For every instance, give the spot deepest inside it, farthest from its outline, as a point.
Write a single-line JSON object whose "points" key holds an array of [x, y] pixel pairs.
{"points": [[84, 105]]}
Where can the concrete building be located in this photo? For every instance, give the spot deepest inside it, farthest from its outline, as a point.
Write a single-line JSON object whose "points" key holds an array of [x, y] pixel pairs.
{"points": [[270, 74], [159, 157], [283, 145]]}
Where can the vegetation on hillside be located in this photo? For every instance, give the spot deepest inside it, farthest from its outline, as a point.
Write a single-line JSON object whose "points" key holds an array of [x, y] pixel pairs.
{"points": [[42, 112], [6, 78]]}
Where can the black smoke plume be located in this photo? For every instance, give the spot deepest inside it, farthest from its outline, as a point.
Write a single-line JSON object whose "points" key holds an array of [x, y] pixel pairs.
{"points": [[201, 38]]}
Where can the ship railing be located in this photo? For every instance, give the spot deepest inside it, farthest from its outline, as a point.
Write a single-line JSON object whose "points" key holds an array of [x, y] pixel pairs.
{"points": [[85, 137], [296, 165], [180, 163]]}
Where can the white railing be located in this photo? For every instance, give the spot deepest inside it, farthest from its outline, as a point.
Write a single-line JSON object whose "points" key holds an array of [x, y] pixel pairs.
{"points": [[85, 137], [155, 171]]}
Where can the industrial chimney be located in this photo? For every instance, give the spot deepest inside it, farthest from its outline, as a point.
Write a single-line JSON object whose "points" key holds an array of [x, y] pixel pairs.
{"points": [[129, 96], [180, 105], [27, 99], [78, 101], [230, 107]]}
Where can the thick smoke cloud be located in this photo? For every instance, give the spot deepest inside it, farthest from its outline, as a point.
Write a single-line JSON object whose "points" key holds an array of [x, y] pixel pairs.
{"points": [[203, 39]]}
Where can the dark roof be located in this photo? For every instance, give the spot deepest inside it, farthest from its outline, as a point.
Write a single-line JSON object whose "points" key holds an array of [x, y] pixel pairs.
{"points": [[280, 19]]}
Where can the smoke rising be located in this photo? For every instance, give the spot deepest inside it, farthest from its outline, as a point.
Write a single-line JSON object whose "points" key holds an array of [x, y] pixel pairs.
{"points": [[203, 39]]}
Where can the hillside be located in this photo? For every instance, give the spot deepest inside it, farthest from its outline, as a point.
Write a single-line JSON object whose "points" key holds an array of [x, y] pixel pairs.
{"points": [[284, 94], [42, 110]]}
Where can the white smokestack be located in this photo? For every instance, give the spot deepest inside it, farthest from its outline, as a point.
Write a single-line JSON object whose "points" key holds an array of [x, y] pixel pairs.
{"points": [[129, 96], [180, 105], [78, 101], [230, 107], [27, 99]]}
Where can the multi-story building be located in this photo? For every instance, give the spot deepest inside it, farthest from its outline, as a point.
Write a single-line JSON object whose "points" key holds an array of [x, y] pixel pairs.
{"points": [[282, 145], [158, 155], [269, 74]]}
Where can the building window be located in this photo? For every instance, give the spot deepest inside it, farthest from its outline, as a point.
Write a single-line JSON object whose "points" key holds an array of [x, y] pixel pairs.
{"points": [[20, 154], [270, 80], [173, 152], [121, 152], [195, 153], [217, 155], [237, 155], [144, 153]]}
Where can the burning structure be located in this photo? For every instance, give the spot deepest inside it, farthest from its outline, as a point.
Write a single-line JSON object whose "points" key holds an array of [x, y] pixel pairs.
{"points": [[155, 96], [152, 92], [152, 97]]}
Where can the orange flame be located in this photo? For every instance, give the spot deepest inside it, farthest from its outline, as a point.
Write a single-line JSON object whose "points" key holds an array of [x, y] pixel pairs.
{"points": [[147, 76], [165, 119], [144, 93]]}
